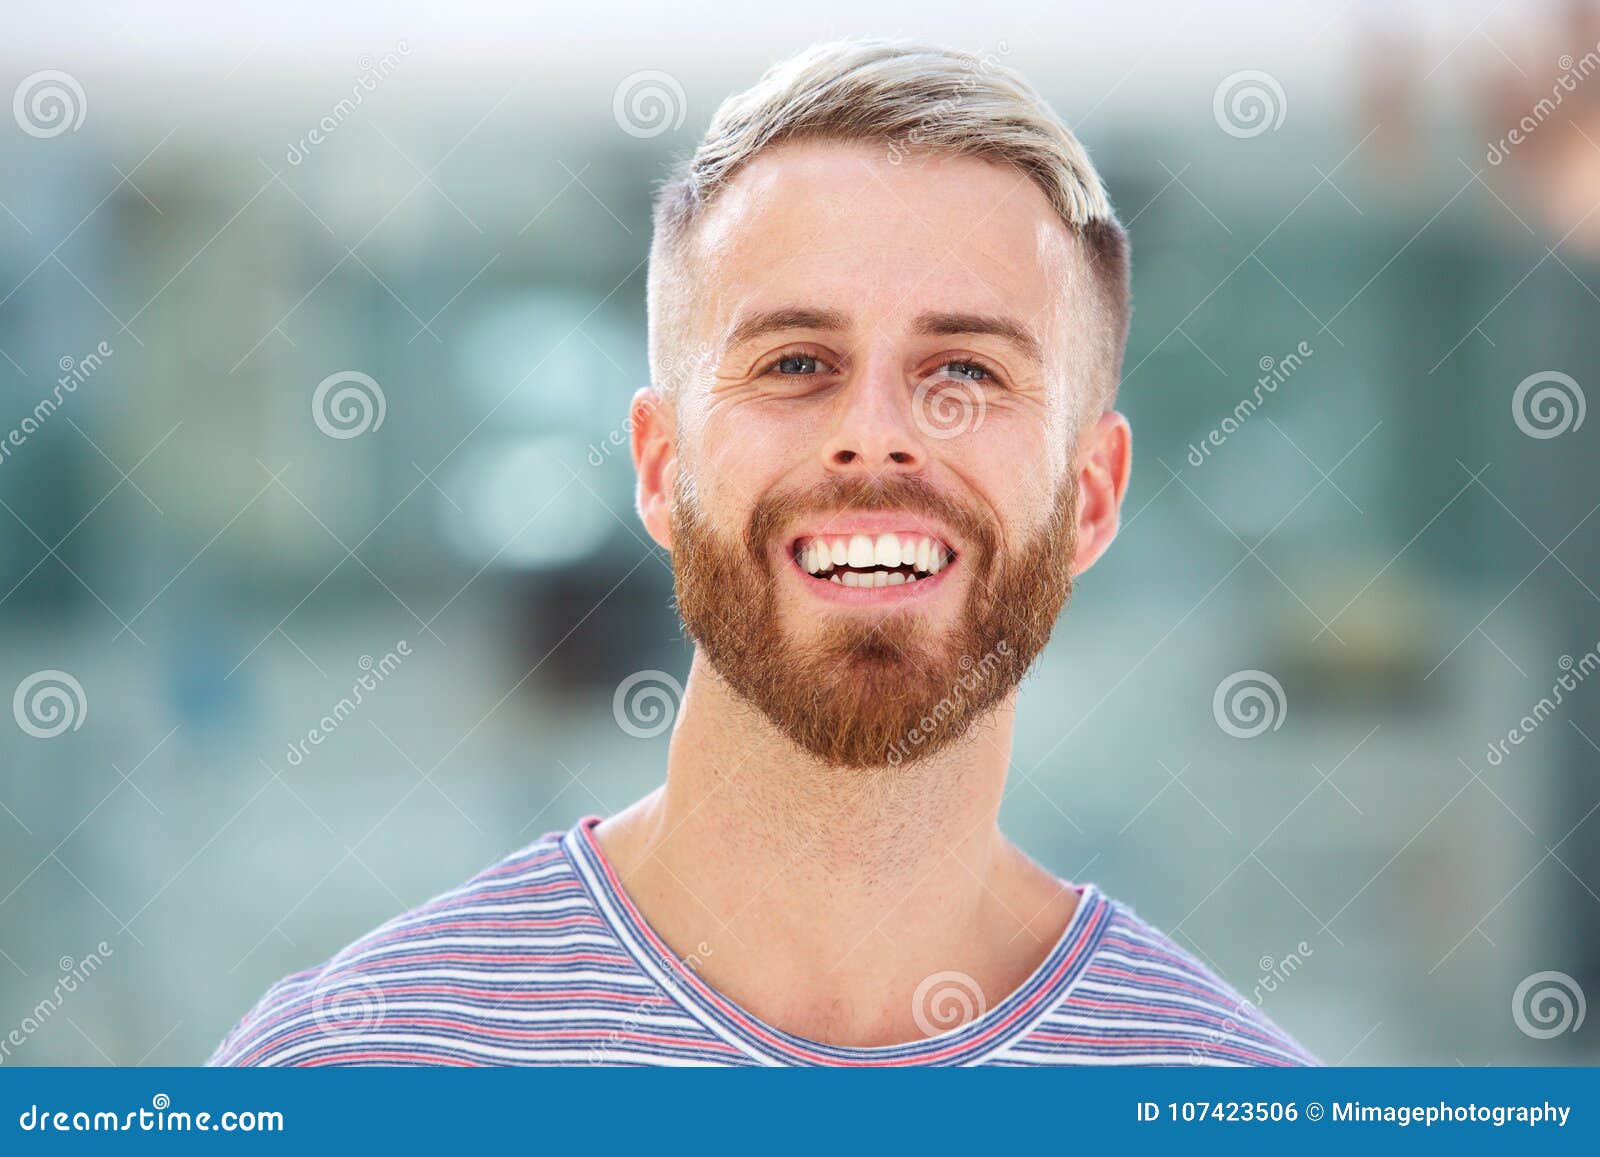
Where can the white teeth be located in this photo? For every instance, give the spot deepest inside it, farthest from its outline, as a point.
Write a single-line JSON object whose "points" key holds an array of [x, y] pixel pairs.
{"points": [[926, 556]]}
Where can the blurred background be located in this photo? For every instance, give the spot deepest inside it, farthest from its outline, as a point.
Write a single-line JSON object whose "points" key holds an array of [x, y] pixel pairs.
{"points": [[317, 329]]}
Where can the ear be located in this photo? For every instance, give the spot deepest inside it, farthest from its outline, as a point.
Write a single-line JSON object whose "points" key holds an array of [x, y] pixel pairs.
{"points": [[1105, 458], [655, 459]]}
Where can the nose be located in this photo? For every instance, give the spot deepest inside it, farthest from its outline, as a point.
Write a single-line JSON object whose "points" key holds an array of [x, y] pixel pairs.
{"points": [[874, 430]]}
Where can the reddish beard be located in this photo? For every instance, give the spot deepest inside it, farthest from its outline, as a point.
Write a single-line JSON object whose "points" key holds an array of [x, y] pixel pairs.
{"points": [[859, 694]]}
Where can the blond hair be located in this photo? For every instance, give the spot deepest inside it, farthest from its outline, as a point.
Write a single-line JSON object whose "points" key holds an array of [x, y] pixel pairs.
{"points": [[912, 99]]}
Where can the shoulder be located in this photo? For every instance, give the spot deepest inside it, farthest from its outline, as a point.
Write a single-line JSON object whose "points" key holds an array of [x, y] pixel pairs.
{"points": [[1143, 999], [399, 994]]}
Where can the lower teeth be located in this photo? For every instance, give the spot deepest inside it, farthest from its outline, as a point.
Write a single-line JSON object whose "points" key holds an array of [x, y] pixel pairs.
{"points": [[875, 578]]}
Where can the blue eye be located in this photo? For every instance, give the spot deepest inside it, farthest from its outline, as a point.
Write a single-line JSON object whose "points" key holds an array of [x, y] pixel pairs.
{"points": [[968, 370], [796, 364]]}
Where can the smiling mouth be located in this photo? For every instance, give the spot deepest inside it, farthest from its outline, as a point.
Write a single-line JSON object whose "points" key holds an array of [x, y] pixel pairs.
{"points": [[859, 560]]}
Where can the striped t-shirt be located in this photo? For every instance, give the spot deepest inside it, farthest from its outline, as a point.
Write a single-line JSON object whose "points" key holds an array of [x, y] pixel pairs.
{"points": [[542, 959]]}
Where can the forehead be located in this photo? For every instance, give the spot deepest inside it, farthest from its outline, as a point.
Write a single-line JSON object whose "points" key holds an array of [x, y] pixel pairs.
{"points": [[878, 234]]}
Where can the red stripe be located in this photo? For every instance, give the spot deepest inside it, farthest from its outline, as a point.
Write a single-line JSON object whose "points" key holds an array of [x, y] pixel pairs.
{"points": [[391, 1056], [410, 931]]}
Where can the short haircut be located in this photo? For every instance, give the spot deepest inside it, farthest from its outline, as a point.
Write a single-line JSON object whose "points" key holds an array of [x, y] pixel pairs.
{"points": [[913, 99]]}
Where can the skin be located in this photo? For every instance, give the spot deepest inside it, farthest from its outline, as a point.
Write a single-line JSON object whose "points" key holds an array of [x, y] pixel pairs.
{"points": [[815, 897]]}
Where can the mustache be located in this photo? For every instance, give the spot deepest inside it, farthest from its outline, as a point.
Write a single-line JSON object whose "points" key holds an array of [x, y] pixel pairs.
{"points": [[903, 492]]}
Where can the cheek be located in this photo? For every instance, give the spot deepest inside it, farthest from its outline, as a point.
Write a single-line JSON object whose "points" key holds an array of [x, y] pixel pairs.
{"points": [[741, 453], [1015, 464]]}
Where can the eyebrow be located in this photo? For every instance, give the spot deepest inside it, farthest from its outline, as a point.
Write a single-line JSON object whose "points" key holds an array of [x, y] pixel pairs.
{"points": [[959, 324], [949, 324], [789, 317]]}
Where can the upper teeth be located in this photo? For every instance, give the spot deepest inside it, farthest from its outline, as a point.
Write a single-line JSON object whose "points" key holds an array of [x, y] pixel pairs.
{"points": [[825, 556]]}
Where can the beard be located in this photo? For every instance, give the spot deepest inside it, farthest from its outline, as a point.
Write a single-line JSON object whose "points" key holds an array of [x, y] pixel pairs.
{"points": [[864, 694]]}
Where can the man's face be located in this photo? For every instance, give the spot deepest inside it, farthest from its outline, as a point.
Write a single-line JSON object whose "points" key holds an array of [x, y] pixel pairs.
{"points": [[872, 492]]}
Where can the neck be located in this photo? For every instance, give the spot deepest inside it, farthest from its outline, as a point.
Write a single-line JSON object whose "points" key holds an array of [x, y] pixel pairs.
{"points": [[819, 897]]}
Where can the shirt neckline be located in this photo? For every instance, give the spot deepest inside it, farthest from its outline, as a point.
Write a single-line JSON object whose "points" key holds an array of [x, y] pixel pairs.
{"points": [[1011, 1018]]}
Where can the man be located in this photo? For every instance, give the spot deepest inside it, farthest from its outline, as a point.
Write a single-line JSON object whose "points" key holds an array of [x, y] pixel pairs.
{"points": [[888, 299]]}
